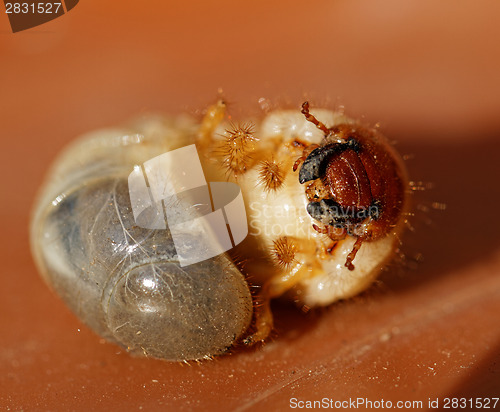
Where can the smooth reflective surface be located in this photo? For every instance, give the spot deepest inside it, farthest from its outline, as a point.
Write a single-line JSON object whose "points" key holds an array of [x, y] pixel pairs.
{"points": [[123, 280]]}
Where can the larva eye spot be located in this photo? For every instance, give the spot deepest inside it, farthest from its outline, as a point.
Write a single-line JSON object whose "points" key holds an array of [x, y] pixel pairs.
{"points": [[313, 233]]}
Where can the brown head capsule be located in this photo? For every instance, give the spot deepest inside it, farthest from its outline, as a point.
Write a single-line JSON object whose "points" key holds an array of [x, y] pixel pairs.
{"points": [[363, 183]]}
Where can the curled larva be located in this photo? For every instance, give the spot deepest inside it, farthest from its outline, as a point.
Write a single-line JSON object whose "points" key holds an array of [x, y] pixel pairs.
{"points": [[325, 201]]}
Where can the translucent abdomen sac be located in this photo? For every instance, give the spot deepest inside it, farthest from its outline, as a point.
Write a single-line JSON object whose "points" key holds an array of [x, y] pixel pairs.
{"points": [[124, 280]]}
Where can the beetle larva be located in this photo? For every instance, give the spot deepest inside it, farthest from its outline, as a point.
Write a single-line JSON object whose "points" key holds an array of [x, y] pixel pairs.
{"points": [[324, 205]]}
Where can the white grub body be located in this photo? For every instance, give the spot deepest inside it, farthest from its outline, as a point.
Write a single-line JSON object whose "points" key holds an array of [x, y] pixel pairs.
{"points": [[125, 282]]}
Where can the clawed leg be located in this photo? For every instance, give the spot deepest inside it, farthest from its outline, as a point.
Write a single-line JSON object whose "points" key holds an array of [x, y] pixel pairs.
{"points": [[312, 119], [335, 237], [292, 272], [333, 233], [213, 117], [330, 248], [307, 151], [352, 254], [275, 287], [310, 148]]}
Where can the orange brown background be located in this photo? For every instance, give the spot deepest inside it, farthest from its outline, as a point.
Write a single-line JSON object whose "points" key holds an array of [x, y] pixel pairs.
{"points": [[427, 71]]}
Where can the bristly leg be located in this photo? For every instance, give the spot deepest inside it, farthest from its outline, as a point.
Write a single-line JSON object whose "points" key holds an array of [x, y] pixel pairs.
{"points": [[285, 248], [271, 174], [237, 147], [284, 251]]}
